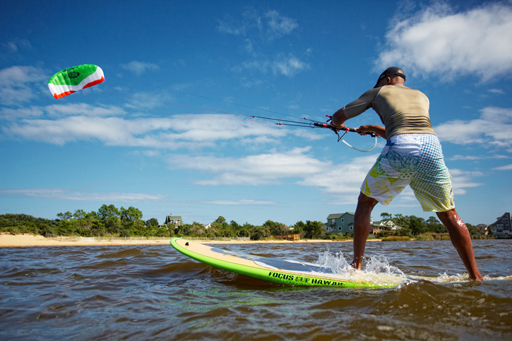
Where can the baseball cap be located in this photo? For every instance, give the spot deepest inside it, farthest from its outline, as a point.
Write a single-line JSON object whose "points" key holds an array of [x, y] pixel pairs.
{"points": [[390, 71]]}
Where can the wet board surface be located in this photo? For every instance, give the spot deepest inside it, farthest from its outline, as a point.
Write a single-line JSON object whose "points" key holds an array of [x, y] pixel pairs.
{"points": [[275, 270]]}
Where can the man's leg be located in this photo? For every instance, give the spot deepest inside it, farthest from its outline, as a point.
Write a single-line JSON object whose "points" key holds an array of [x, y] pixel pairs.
{"points": [[461, 239], [362, 217]]}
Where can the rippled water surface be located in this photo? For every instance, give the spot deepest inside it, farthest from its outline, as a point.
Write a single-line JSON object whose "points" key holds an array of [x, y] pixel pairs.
{"points": [[154, 292]]}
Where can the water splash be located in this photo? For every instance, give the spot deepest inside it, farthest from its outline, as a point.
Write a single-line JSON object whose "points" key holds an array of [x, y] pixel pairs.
{"points": [[377, 270]]}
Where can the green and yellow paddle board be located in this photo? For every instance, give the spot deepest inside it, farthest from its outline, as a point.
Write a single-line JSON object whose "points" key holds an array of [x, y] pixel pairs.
{"points": [[275, 270]]}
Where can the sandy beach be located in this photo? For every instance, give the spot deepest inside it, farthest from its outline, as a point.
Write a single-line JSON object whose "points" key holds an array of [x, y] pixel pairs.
{"points": [[30, 240]]}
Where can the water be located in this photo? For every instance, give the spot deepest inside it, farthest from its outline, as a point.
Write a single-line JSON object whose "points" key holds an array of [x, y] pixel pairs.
{"points": [[154, 292]]}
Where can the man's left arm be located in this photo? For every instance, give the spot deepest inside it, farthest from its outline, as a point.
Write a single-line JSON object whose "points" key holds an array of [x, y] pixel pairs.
{"points": [[338, 118]]}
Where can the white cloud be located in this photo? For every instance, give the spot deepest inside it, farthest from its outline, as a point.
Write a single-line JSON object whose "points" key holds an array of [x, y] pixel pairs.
{"points": [[278, 26], [344, 180], [239, 202], [139, 67], [83, 109], [496, 91], [504, 168], [21, 113], [341, 182], [149, 100], [438, 40], [180, 131], [491, 129], [261, 30], [16, 81], [271, 25], [66, 194], [16, 44], [259, 169], [286, 65], [480, 157], [464, 179]]}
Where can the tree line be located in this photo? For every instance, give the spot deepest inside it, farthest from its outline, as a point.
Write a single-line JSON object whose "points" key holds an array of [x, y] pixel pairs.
{"points": [[412, 226], [127, 222]]}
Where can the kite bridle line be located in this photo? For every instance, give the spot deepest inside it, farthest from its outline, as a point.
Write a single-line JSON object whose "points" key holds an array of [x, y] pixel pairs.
{"points": [[316, 124], [305, 122]]}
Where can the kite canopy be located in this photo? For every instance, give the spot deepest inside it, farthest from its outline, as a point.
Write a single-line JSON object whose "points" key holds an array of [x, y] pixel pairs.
{"points": [[75, 78]]}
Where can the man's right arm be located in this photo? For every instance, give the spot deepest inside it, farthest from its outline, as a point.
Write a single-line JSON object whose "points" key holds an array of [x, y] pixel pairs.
{"points": [[354, 108]]}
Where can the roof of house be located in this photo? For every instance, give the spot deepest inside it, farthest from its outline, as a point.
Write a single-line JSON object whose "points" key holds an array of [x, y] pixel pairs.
{"points": [[338, 215]]}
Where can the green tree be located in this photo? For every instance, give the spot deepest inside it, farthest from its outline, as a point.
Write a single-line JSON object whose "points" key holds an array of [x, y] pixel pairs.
{"points": [[417, 225], [109, 211], [434, 225], [65, 216], [163, 232], [197, 229], [79, 214], [256, 233], [220, 220], [299, 228], [313, 229], [152, 222], [131, 214], [273, 227], [385, 216], [404, 232], [401, 220]]}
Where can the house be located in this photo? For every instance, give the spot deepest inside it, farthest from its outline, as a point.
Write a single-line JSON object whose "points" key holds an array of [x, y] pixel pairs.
{"points": [[383, 225], [340, 223], [173, 219], [502, 228]]}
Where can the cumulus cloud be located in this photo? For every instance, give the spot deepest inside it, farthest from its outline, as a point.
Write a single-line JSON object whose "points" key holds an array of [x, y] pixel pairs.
{"points": [[259, 169], [10, 114], [286, 65], [66, 194], [139, 67], [239, 202], [342, 181], [462, 180], [491, 129], [16, 83], [504, 168], [439, 40], [180, 131], [83, 109], [271, 24]]}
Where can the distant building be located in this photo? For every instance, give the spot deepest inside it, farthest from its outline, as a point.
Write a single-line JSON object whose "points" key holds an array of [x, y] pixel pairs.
{"points": [[483, 228], [340, 223], [502, 228], [383, 225], [173, 219]]}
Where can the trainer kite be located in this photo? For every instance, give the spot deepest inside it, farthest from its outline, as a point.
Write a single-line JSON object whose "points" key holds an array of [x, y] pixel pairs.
{"points": [[75, 78]]}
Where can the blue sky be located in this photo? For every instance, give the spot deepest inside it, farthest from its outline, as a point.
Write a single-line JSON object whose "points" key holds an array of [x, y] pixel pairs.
{"points": [[169, 131]]}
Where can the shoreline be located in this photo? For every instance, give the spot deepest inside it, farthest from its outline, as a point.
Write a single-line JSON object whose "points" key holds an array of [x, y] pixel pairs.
{"points": [[30, 240]]}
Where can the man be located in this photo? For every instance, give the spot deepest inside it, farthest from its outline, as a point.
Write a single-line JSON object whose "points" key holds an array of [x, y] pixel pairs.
{"points": [[412, 156]]}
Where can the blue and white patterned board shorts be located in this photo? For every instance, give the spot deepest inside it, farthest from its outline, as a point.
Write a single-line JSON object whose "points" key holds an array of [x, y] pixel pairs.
{"points": [[415, 160]]}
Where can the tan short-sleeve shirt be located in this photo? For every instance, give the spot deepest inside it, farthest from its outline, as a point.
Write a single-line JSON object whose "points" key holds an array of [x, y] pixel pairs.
{"points": [[402, 110]]}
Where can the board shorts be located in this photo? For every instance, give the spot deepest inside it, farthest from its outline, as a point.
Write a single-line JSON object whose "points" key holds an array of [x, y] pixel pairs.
{"points": [[416, 160]]}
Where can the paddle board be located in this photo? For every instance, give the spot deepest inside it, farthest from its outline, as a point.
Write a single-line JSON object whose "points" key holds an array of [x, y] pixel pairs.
{"points": [[275, 270]]}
